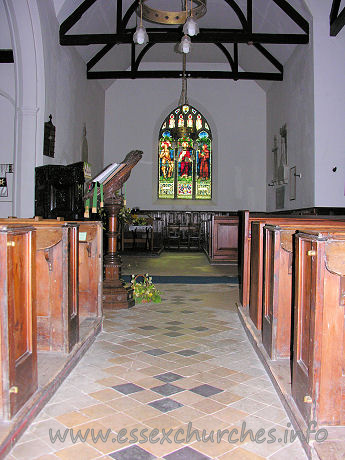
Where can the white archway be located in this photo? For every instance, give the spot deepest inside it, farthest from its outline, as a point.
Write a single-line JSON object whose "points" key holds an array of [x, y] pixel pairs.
{"points": [[25, 28]]}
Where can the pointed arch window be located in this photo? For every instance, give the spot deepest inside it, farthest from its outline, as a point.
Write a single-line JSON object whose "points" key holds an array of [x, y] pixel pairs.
{"points": [[185, 156]]}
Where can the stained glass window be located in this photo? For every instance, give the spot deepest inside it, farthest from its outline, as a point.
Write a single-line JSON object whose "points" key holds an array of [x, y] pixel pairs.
{"points": [[185, 156]]}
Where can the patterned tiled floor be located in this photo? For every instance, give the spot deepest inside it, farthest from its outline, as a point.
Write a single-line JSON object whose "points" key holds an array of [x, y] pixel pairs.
{"points": [[156, 377]]}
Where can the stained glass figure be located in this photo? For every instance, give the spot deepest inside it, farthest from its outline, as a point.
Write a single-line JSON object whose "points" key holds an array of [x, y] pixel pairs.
{"points": [[198, 123], [185, 168], [172, 121], [185, 156], [166, 166]]}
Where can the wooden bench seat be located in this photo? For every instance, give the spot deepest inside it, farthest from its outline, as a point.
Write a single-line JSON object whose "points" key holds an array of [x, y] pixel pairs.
{"points": [[57, 302], [277, 285], [318, 379], [256, 256], [245, 242], [18, 345], [69, 278]]}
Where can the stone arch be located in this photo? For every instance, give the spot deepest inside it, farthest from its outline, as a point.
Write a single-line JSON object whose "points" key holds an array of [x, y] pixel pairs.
{"points": [[25, 29]]}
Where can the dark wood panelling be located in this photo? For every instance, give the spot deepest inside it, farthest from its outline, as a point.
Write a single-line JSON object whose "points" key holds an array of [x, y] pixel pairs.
{"points": [[318, 358], [18, 319]]}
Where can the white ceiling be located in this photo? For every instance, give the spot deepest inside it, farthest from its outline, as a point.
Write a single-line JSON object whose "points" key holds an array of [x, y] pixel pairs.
{"points": [[267, 18]]}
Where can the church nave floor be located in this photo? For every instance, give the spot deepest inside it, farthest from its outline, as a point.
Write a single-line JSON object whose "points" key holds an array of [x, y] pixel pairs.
{"points": [[186, 364]]}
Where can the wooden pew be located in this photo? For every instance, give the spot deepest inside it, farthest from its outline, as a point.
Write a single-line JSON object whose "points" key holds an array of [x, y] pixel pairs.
{"points": [[57, 286], [18, 365], [244, 245], [90, 269], [318, 379], [256, 256], [277, 285], [90, 257], [223, 243], [57, 296]]}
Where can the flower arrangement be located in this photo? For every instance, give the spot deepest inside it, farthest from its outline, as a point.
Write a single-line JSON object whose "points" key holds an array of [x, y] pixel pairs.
{"points": [[126, 216], [145, 291]]}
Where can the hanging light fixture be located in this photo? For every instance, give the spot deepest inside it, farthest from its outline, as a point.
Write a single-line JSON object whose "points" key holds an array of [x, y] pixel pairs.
{"points": [[185, 44], [140, 36], [190, 27]]}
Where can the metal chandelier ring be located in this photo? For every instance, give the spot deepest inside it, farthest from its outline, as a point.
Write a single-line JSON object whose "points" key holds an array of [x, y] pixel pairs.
{"points": [[173, 17]]}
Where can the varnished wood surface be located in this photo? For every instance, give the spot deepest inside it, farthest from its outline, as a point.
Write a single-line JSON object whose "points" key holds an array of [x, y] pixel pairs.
{"points": [[318, 358], [224, 238], [245, 221], [256, 255], [277, 285], [18, 319]]}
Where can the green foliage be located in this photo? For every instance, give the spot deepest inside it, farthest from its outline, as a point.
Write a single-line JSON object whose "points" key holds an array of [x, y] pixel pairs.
{"points": [[126, 217], [145, 290]]}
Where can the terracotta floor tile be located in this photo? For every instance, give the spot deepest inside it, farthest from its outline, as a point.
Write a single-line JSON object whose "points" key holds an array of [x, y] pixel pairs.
{"points": [[208, 406], [224, 360], [240, 454], [212, 448], [148, 382], [98, 411], [188, 398], [79, 450], [223, 371], [110, 381], [117, 422], [104, 446], [187, 414], [105, 395], [231, 415], [188, 382], [152, 370], [145, 396], [226, 397], [143, 412], [73, 418], [42, 457], [123, 403], [30, 449], [210, 423], [162, 421]]}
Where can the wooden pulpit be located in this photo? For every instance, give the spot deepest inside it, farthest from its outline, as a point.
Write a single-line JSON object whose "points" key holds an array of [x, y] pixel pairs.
{"points": [[115, 294]]}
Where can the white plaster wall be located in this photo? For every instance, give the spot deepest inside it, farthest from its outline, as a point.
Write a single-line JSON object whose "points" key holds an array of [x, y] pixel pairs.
{"points": [[329, 83], [292, 102], [7, 111], [235, 111], [71, 99]]}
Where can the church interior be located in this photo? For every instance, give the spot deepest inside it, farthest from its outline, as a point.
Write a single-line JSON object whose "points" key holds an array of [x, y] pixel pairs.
{"points": [[172, 229]]}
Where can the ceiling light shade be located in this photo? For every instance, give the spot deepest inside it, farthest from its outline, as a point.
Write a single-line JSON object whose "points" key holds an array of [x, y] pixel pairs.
{"points": [[140, 36], [191, 27], [185, 44]]}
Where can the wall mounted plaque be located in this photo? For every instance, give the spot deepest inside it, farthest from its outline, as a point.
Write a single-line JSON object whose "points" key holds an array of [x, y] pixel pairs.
{"points": [[49, 138]]}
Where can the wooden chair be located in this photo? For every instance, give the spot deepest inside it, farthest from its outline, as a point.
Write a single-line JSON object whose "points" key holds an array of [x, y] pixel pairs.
{"points": [[194, 236], [173, 235]]}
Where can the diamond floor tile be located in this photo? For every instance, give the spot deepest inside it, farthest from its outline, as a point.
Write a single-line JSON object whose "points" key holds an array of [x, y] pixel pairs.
{"points": [[206, 390], [129, 378], [165, 405], [127, 388], [168, 377]]}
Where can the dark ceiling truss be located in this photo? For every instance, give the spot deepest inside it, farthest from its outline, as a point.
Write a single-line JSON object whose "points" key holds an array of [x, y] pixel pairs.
{"points": [[336, 19], [218, 37], [6, 56]]}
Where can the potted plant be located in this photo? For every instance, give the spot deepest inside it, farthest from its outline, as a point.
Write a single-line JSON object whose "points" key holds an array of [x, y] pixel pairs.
{"points": [[144, 290]]}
